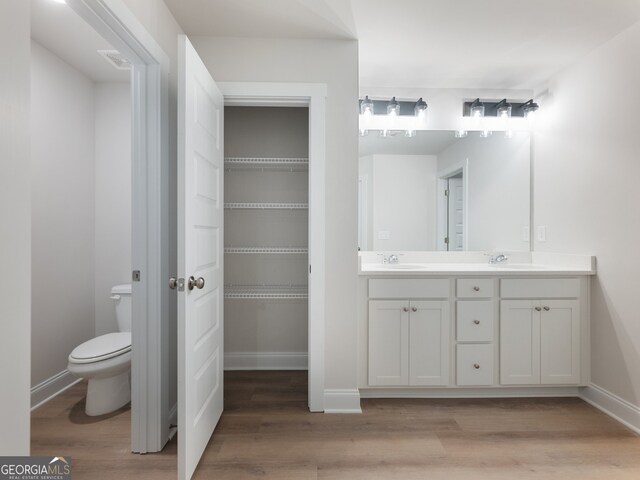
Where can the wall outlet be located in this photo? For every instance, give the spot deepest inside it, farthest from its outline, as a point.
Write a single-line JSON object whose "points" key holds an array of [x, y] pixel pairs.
{"points": [[525, 234], [541, 234], [384, 234]]}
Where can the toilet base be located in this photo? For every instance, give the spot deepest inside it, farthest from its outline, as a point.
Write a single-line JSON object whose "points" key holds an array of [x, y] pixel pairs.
{"points": [[106, 395]]}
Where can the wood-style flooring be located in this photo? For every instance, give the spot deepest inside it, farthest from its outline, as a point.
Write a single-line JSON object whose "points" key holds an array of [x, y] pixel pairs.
{"points": [[266, 432]]}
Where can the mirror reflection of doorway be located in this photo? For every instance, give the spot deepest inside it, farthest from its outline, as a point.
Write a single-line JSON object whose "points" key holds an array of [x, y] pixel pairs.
{"points": [[455, 213]]}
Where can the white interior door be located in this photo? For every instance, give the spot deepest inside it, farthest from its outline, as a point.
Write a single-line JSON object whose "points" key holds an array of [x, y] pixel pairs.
{"points": [[200, 257], [456, 214]]}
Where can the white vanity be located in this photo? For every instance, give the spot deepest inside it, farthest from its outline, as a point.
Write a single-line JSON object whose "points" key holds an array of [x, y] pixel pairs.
{"points": [[451, 324]]}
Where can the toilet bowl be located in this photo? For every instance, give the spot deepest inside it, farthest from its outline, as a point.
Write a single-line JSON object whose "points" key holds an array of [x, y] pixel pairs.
{"points": [[105, 361]]}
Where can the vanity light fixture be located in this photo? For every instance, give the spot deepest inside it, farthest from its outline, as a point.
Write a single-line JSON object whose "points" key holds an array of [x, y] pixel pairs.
{"points": [[366, 106], [460, 133], [529, 108], [477, 109], [421, 108], [503, 109], [393, 107]]}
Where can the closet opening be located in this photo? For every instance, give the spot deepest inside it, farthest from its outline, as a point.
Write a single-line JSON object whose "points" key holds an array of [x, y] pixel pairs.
{"points": [[266, 247]]}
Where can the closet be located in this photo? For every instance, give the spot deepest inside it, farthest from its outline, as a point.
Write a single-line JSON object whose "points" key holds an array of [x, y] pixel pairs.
{"points": [[266, 237]]}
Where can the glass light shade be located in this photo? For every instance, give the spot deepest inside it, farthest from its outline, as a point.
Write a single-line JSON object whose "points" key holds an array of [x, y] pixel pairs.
{"points": [[485, 133], [504, 111], [529, 109], [410, 133], [393, 107], [460, 133], [421, 108], [366, 106], [477, 111]]}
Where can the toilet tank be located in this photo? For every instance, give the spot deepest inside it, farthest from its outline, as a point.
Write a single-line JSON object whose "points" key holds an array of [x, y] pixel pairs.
{"points": [[121, 295]]}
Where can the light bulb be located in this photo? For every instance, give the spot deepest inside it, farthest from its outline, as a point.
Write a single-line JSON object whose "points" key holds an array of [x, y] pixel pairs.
{"points": [[393, 107], [529, 109], [460, 133], [410, 133], [366, 106]]}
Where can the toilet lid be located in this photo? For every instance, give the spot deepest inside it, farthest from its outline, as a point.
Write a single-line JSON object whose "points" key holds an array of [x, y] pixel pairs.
{"points": [[102, 348]]}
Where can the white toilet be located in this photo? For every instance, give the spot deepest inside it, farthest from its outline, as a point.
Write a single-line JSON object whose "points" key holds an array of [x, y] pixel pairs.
{"points": [[106, 360]]}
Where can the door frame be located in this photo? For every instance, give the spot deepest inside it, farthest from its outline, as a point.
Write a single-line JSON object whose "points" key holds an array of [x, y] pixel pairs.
{"points": [[441, 205], [150, 214], [313, 96]]}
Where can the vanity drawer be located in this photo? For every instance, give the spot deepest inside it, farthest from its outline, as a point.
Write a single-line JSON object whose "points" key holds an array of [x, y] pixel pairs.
{"points": [[474, 364], [408, 288], [540, 288], [474, 287], [474, 320]]}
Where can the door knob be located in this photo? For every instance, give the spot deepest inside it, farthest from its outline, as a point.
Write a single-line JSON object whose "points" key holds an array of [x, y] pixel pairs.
{"points": [[199, 283], [173, 283]]}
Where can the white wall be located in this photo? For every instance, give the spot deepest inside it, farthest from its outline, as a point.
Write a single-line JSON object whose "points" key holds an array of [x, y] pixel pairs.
{"points": [[15, 228], [112, 198], [62, 213], [404, 202], [334, 62], [498, 179], [586, 173]]}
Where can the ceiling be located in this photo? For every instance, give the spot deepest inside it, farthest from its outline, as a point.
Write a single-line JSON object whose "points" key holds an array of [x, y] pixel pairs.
{"points": [[499, 44], [60, 30], [426, 142]]}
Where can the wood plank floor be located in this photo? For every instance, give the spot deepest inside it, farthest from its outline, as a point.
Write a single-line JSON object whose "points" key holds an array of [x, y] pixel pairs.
{"points": [[266, 432]]}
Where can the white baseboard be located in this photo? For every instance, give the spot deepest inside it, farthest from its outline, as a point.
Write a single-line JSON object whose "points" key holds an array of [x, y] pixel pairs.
{"points": [[45, 391], [342, 401], [265, 361], [614, 406], [476, 392]]}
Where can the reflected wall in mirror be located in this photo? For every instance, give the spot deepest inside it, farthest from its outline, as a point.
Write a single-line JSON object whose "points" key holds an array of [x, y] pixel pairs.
{"points": [[437, 192]]}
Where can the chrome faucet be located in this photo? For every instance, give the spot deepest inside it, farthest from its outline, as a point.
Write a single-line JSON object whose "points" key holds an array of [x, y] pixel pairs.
{"points": [[391, 258], [498, 258]]}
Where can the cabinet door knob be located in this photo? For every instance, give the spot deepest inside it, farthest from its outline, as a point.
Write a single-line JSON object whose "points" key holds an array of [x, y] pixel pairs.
{"points": [[546, 309], [405, 309], [414, 309], [476, 288], [476, 366], [538, 309], [477, 322]]}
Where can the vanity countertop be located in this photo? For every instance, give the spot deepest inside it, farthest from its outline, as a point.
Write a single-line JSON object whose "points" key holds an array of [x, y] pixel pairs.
{"points": [[531, 264]]}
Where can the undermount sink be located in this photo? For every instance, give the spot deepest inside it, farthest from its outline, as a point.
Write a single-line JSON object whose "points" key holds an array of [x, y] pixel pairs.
{"points": [[517, 266], [400, 266]]}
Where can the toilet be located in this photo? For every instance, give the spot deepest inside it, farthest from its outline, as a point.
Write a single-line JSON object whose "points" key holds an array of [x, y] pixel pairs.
{"points": [[105, 361]]}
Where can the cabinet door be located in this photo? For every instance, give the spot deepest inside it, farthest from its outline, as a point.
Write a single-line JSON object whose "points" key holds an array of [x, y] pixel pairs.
{"points": [[519, 342], [388, 342], [429, 343], [560, 342]]}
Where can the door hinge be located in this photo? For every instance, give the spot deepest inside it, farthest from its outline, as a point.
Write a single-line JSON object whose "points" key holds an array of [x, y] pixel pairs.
{"points": [[446, 240], [309, 269], [135, 275], [446, 193]]}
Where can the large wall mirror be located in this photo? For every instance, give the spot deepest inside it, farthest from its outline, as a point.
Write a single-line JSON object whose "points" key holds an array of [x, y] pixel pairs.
{"points": [[434, 191]]}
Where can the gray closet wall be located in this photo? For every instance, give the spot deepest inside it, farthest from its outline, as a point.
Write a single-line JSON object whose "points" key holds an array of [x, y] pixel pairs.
{"points": [[266, 237]]}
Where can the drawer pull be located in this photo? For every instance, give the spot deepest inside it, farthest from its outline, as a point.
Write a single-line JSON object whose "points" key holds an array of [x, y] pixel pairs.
{"points": [[405, 309], [538, 309], [414, 309], [546, 309], [477, 322], [476, 366], [476, 288]]}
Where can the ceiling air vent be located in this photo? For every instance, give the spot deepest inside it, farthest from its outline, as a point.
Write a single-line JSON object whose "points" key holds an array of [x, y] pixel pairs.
{"points": [[116, 59]]}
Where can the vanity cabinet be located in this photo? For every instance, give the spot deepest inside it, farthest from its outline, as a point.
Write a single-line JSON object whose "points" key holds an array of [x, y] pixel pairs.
{"points": [[540, 342], [408, 342]]}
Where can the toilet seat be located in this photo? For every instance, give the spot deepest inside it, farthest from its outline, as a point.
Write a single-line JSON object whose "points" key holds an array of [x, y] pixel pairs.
{"points": [[101, 348]]}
